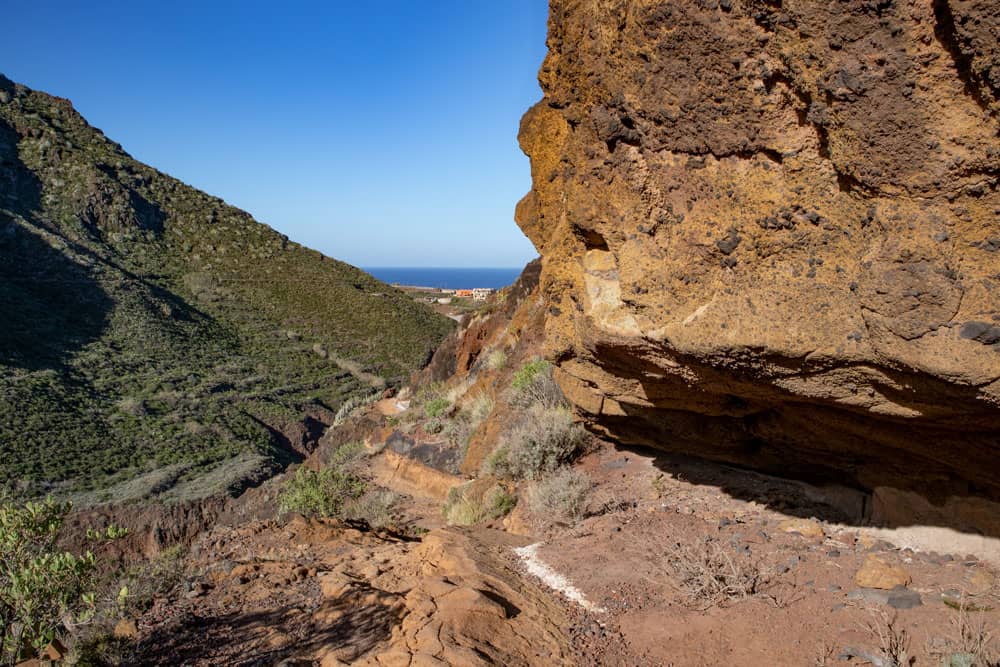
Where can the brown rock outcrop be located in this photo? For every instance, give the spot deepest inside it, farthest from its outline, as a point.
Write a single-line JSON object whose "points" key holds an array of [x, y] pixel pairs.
{"points": [[771, 235]]}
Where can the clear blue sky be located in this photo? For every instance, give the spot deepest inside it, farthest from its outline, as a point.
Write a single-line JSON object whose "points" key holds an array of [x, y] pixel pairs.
{"points": [[381, 133]]}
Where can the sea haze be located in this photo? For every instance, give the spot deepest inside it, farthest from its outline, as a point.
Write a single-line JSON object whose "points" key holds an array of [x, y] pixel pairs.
{"points": [[444, 277]]}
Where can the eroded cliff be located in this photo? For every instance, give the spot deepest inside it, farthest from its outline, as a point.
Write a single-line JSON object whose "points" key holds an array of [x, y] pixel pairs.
{"points": [[771, 236]]}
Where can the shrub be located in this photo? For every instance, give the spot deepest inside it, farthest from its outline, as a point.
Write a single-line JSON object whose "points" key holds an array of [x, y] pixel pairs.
{"points": [[374, 508], [354, 403], [544, 439], [971, 641], [42, 589], [436, 407], [496, 360], [347, 455], [320, 493], [534, 385], [707, 574], [527, 373], [561, 498], [460, 428], [469, 504], [480, 408]]}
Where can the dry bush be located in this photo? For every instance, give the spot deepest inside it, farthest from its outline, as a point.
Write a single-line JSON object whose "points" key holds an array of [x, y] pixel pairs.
{"points": [[970, 638], [353, 404], [463, 424], [708, 575], [893, 641], [533, 385], [496, 360], [375, 508], [542, 440], [470, 504], [560, 498]]}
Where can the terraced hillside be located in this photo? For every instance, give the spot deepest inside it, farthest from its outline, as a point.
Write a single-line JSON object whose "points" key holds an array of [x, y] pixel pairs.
{"points": [[148, 330]]}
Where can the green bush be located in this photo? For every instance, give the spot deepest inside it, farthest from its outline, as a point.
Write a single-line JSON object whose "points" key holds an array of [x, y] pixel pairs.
{"points": [[541, 441], [527, 373], [41, 587], [469, 504], [347, 455], [560, 498], [534, 385], [322, 493], [436, 407]]}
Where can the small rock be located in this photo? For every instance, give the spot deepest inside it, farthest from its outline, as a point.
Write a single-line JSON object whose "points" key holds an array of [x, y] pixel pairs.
{"points": [[978, 581], [126, 628], [879, 573], [790, 564], [55, 650], [869, 595], [833, 553], [804, 527], [903, 598]]}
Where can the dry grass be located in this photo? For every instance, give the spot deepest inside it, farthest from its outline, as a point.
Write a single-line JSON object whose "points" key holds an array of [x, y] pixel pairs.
{"points": [[472, 503], [893, 640], [708, 575], [354, 404], [542, 440], [970, 636], [376, 508], [561, 498]]}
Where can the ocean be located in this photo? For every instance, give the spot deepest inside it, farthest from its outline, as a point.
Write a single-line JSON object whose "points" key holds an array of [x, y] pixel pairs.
{"points": [[445, 278]]}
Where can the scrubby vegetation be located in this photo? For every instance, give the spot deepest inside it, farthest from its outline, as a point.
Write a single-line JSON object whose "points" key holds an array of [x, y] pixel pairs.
{"points": [[466, 420], [326, 492], [533, 387], [44, 591], [709, 574], [322, 493], [354, 404], [473, 502], [544, 439], [436, 407], [496, 360], [561, 497], [339, 491], [148, 325]]}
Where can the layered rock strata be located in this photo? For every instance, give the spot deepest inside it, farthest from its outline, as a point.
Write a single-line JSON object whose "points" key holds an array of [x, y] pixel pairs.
{"points": [[771, 236]]}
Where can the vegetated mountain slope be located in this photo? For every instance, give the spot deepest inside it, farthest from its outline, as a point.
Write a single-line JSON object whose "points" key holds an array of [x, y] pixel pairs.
{"points": [[147, 326]]}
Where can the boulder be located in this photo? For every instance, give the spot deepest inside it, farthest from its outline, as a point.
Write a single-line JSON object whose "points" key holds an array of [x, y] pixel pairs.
{"points": [[879, 573], [770, 236]]}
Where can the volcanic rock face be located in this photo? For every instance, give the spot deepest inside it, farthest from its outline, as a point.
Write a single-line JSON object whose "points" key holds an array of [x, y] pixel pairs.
{"points": [[771, 236]]}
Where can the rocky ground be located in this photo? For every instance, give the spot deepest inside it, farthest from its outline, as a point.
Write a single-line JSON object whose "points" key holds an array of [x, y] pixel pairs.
{"points": [[674, 572]]}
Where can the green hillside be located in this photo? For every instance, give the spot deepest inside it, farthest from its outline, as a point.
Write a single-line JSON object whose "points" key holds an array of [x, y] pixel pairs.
{"points": [[147, 328]]}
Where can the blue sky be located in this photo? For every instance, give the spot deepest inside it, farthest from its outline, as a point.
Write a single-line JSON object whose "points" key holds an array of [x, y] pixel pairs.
{"points": [[381, 133]]}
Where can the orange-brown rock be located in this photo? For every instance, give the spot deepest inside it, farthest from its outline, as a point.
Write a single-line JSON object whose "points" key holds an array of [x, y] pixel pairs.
{"points": [[770, 234]]}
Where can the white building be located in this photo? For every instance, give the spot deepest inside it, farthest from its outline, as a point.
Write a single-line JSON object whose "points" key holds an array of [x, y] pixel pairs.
{"points": [[481, 293]]}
